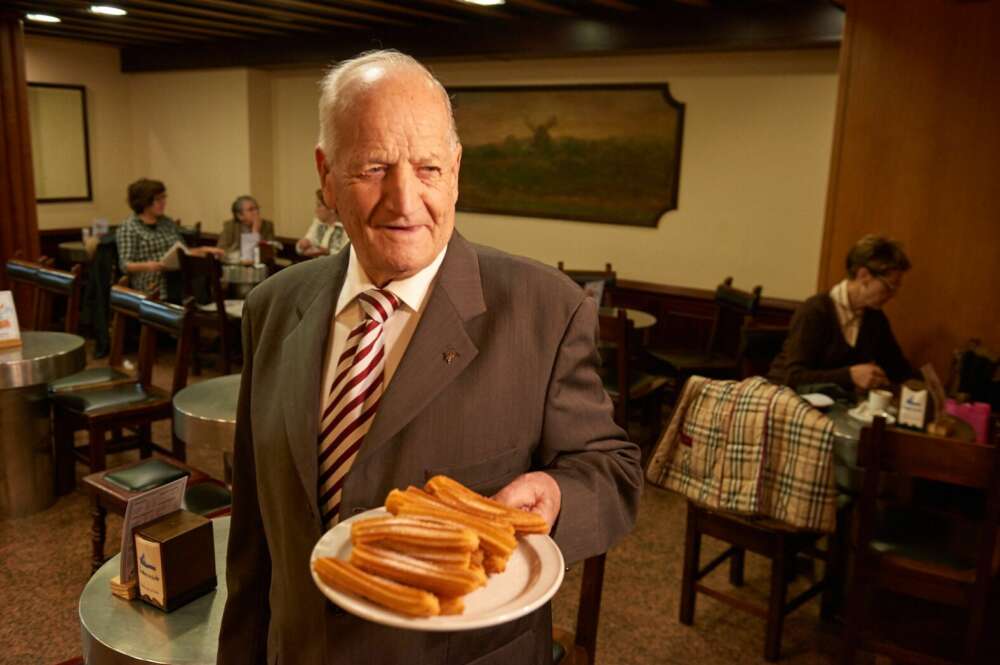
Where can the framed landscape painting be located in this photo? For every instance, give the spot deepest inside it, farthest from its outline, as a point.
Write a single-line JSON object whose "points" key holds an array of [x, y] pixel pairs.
{"points": [[595, 153]]}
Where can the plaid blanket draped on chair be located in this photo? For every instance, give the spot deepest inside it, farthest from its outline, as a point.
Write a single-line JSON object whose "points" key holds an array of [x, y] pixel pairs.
{"points": [[751, 448]]}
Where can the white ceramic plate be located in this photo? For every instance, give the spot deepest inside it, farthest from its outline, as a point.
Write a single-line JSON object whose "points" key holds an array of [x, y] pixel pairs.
{"points": [[818, 400], [861, 412], [534, 573]]}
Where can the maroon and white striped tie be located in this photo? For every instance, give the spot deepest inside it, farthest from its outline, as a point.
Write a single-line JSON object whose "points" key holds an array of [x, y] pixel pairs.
{"points": [[354, 395]]}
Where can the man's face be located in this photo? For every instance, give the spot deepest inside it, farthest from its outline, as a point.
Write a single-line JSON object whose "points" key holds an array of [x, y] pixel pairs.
{"points": [[249, 213], [394, 179]]}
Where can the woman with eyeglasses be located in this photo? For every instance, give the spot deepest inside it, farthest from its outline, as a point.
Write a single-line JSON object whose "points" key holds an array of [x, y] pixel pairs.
{"points": [[843, 336]]}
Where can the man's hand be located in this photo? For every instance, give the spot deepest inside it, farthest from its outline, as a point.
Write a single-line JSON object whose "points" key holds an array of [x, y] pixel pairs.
{"points": [[537, 492], [303, 245], [868, 376]]}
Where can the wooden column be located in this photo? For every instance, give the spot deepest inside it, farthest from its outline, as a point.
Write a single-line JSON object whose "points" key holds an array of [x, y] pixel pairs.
{"points": [[18, 215], [916, 156]]}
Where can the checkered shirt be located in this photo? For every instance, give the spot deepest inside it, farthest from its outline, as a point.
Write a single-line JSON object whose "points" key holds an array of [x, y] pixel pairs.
{"points": [[138, 242], [751, 448]]}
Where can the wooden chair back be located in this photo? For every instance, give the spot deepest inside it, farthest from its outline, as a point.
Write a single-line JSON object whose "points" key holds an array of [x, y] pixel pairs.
{"points": [[583, 277], [174, 320], [759, 346], [21, 274], [208, 269], [50, 282], [917, 455], [124, 303], [733, 310], [615, 332]]}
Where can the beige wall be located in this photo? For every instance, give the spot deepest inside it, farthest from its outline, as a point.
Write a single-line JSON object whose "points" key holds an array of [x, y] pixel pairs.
{"points": [[192, 131], [63, 61], [756, 153]]}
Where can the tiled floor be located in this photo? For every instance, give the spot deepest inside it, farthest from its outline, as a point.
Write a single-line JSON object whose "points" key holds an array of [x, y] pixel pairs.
{"points": [[44, 565]]}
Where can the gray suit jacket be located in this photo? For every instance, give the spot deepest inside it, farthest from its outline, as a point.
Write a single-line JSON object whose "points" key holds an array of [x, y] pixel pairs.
{"points": [[522, 393]]}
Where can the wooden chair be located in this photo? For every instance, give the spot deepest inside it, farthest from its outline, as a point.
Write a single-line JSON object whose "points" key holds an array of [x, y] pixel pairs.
{"points": [[779, 543], [21, 274], [50, 283], [625, 384], [580, 647], [921, 553], [204, 495], [584, 277], [719, 359], [208, 271], [759, 346], [134, 405]]}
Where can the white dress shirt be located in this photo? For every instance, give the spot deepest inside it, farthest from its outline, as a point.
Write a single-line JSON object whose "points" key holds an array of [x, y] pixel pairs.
{"points": [[849, 318], [398, 330]]}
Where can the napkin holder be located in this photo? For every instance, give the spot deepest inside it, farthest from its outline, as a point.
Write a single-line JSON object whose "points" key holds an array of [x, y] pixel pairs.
{"points": [[175, 559], [913, 405]]}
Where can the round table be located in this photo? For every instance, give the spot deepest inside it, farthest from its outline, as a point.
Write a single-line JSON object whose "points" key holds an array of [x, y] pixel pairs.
{"points": [[26, 474], [205, 415], [639, 318], [847, 436], [73, 251], [122, 632]]}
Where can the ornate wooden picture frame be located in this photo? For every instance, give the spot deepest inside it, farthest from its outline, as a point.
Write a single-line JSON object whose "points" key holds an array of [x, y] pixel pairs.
{"points": [[596, 153]]}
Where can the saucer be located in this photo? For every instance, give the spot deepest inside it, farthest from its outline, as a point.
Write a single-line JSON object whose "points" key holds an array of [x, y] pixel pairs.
{"points": [[861, 412]]}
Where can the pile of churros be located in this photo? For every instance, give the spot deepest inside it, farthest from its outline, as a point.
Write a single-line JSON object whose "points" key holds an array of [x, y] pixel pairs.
{"points": [[441, 542]]}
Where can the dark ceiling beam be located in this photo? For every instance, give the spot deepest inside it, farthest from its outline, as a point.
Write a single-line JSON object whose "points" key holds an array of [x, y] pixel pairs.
{"points": [[174, 13], [237, 9], [174, 32], [402, 8], [543, 7], [671, 28], [70, 27], [619, 5], [64, 33], [329, 10]]}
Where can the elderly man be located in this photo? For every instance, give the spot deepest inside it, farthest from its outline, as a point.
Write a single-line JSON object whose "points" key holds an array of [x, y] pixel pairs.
{"points": [[246, 222], [472, 363]]}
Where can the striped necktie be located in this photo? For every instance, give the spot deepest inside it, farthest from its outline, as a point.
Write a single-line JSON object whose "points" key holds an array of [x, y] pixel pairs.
{"points": [[352, 400]]}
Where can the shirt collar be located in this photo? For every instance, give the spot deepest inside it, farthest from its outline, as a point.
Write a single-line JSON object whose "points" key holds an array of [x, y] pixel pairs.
{"points": [[840, 298], [412, 291]]}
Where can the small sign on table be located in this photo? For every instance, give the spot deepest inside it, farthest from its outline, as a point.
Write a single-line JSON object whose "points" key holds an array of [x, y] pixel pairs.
{"points": [[10, 332]]}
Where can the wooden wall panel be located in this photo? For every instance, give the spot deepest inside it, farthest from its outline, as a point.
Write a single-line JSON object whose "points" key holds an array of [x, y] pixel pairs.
{"points": [[917, 157], [18, 218]]}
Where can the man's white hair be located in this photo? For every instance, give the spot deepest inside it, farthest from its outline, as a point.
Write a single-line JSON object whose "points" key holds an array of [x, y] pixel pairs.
{"points": [[344, 81]]}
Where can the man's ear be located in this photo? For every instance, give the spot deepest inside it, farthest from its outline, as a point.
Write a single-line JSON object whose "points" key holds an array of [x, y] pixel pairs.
{"points": [[458, 165], [325, 179]]}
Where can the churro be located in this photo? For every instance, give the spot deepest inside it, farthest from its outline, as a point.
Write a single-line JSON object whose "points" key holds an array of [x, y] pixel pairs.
{"points": [[494, 564], [442, 580], [455, 559], [398, 597], [455, 494], [496, 536], [451, 605], [424, 533]]}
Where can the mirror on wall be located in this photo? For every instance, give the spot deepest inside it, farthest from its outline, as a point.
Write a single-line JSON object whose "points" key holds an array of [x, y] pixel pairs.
{"points": [[60, 152]]}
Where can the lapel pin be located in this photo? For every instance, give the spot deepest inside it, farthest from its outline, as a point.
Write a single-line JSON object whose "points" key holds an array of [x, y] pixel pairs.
{"points": [[449, 356]]}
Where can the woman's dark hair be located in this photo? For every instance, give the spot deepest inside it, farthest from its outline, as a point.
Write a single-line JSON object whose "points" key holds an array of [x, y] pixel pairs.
{"points": [[878, 254], [142, 192]]}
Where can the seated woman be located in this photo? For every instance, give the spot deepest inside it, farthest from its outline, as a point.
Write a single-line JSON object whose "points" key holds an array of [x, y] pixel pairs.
{"points": [[325, 236], [843, 336], [146, 236], [245, 230]]}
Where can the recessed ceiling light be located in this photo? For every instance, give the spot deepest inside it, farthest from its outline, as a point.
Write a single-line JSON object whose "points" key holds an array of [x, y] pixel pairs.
{"points": [[485, 2], [108, 10], [43, 18]]}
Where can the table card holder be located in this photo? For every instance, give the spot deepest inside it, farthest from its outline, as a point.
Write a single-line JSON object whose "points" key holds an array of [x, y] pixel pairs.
{"points": [[176, 559], [913, 405], [10, 332], [170, 258], [139, 510]]}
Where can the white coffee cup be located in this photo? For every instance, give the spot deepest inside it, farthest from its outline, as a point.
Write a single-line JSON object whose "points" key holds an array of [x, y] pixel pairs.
{"points": [[878, 401]]}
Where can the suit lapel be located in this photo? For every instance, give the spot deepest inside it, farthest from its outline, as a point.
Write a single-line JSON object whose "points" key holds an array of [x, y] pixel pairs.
{"points": [[439, 350], [302, 355]]}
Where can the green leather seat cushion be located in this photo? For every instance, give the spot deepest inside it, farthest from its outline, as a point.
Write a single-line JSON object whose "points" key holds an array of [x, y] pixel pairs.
{"points": [[88, 401], [146, 475], [206, 498], [87, 377]]}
